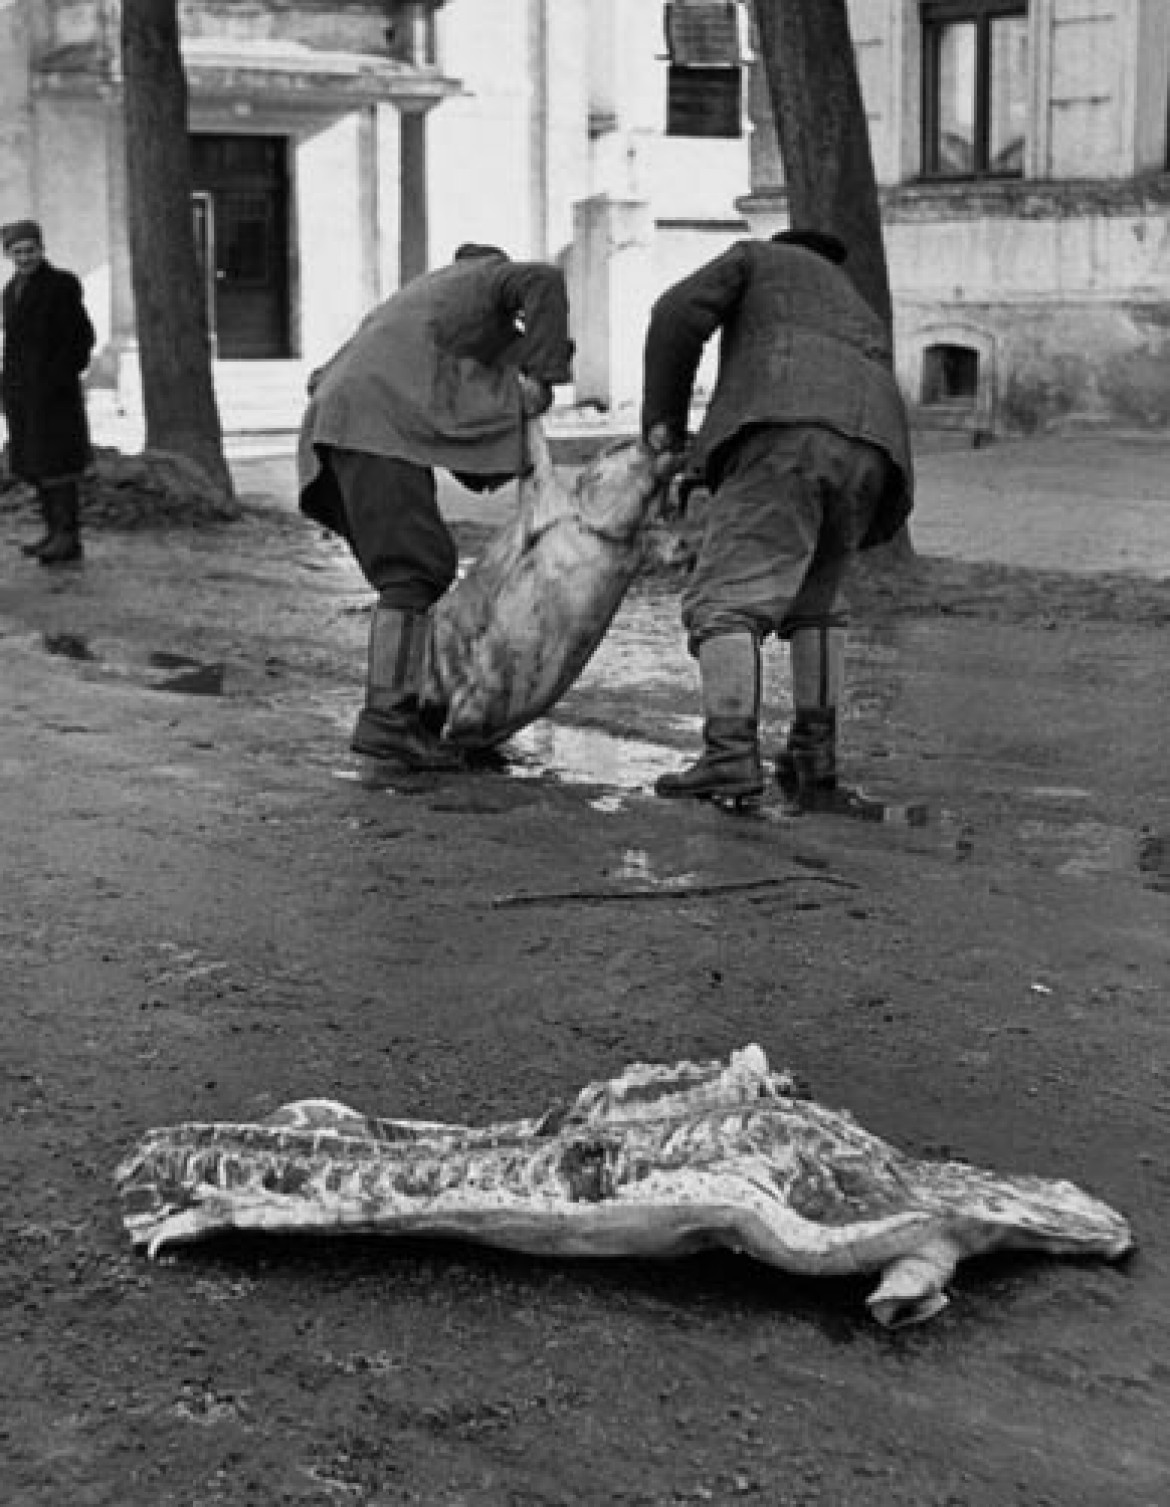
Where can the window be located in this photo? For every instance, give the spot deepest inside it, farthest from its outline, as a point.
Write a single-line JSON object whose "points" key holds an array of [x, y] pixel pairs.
{"points": [[950, 376], [975, 88], [704, 86]]}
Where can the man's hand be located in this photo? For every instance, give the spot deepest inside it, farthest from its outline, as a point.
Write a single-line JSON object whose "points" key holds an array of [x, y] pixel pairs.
{"points": [[535, 396], [669, 450]]}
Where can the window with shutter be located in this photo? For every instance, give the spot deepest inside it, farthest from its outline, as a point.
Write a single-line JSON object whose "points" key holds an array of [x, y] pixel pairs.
{"points": [[704, 88]]}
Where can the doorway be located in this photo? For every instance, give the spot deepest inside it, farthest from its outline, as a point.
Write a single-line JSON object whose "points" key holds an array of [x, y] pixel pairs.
{"points": [[240, 206]]}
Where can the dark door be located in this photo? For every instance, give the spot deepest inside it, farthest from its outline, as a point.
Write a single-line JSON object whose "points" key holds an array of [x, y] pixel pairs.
{"points": [[243, 183]]}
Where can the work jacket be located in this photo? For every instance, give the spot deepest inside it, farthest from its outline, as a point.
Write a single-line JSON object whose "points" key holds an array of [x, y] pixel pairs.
{"points": [[48, 339], [432, 374], [798, 345]]}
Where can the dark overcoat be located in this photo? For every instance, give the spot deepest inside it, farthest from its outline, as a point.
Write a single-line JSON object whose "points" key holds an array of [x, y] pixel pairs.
{"points": [[798, 345], [48, 339], [432, 375]]}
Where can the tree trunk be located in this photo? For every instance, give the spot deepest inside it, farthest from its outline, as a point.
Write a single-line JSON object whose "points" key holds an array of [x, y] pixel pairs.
{"points": [[808, 57], [807, 48], [170, 311]]}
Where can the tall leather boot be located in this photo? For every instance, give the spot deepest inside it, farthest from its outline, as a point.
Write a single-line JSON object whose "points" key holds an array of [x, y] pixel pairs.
{"points": [[46, 537], [806, 769], [64, 508], [729, 770], [389, 726]]}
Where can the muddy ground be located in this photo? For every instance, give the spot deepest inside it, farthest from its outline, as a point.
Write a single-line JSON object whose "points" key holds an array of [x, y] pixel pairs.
{"points": [[206, 915]]}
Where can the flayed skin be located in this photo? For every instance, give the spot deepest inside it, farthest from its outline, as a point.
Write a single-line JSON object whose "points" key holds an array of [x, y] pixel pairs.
{"points": [[511, 637], [661, 1161]]}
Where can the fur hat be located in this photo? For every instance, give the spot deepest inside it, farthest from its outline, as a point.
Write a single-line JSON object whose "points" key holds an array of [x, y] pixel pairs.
{"points": [[823, 242], [20, 230]]}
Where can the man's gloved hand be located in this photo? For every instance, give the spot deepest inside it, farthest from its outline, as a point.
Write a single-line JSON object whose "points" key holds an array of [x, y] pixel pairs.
{"points": [[535, 396]]}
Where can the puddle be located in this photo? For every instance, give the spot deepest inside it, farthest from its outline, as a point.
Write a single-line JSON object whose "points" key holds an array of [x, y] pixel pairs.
{"points": [[587, 756], [207, 680], [68, 645], [634, 715]]}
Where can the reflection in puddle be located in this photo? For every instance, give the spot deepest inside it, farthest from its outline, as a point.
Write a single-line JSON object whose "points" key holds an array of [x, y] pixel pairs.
{"points": [[587, 756]]}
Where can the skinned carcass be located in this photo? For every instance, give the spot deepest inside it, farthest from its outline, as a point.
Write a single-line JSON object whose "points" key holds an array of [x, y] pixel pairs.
{"points": [[660, 1161], [515, 632]]}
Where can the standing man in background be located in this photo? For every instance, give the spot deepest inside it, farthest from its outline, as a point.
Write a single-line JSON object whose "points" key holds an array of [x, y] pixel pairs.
{"points": [[443, 374], [48, 339], [805, 450]]}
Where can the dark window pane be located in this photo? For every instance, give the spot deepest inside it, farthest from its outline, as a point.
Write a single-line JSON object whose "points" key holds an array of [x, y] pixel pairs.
{"points": [[703, 102], [950, 375]]}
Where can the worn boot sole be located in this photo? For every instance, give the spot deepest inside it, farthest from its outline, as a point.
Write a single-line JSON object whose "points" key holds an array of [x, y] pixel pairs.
{"points": [[731, 794], [418, 758]]}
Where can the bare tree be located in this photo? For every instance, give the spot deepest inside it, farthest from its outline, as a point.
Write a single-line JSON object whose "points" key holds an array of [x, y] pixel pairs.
{"points": [[171, 314], [807, 49]]}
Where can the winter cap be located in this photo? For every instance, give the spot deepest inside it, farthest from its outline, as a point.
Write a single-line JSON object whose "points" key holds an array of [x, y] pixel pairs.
{"points": [[20, 230], [472, 249], [823, 242]]}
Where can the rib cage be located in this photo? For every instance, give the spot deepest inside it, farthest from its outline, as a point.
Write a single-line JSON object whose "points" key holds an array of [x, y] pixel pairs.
{"points": [[659, 1161]]}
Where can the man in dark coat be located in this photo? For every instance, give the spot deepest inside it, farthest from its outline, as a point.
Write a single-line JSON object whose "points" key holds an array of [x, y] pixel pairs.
{"points": [[48, 339], [440, 375], [805, 451]]}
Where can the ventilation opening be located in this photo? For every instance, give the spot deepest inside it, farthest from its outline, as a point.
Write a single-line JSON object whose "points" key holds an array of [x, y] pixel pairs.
{"points": [[950, 376]]}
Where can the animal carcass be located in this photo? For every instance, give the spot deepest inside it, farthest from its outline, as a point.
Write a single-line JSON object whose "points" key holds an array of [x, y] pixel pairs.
{"points": [[515, 632], [661, 1161]]}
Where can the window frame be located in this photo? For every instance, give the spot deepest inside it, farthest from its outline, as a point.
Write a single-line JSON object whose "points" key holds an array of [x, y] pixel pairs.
{"points": [[934, 16]]}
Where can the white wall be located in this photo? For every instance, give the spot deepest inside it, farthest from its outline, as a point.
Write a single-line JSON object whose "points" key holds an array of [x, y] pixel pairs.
{"points": [[1086, 89], [478, 142], [334, 296]]}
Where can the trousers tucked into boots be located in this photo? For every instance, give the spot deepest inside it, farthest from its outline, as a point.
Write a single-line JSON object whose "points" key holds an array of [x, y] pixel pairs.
{"points": [[60, 507], [389, 725], [729, 673], [806, 769]]}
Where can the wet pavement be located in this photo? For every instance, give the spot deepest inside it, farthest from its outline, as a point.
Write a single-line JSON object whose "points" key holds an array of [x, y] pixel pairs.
{"points": [[212, 912]]}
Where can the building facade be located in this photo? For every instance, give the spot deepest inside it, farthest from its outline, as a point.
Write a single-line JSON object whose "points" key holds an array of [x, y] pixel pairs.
{"points": [[341, 146], [1021, 152]]}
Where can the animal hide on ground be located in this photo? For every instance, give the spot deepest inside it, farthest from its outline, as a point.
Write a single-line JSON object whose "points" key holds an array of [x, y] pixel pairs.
{"points": [[661, 1161]]}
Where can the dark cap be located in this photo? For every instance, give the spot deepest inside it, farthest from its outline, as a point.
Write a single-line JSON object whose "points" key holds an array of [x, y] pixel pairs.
{"points": [[472, 249], [20, 230], [823, 242]]}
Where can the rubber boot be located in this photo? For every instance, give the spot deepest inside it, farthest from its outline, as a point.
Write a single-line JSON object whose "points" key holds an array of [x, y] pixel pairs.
{"points": [[46, 537], [64, 542], [806, 769], [729, 769], [389, 726]]}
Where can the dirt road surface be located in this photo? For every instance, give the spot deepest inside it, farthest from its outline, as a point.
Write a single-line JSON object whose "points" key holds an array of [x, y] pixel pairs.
{"points": [[205, 915]]}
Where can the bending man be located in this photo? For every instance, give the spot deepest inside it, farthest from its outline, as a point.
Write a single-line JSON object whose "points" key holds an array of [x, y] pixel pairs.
{"points": [[442, 374], [806, 453]]}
